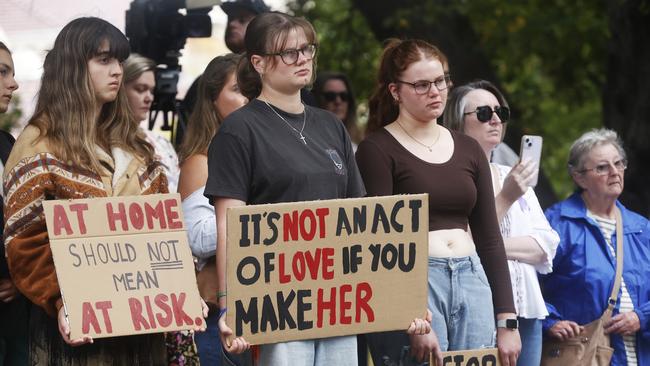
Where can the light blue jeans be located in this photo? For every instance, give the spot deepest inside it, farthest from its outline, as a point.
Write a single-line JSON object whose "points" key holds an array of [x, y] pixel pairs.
{"points": [[461, 302], [340, 351], [530, 331]]}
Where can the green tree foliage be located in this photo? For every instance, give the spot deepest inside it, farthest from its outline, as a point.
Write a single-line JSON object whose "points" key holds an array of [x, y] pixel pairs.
{"points": [[549, 56], [347, 45]]}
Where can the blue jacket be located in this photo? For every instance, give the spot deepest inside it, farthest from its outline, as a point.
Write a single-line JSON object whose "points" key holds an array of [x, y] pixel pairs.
{"points": [[584, 269]]}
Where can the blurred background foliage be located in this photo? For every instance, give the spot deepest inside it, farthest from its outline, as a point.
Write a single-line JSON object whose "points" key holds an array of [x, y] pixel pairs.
{"points": [[548, 56]]}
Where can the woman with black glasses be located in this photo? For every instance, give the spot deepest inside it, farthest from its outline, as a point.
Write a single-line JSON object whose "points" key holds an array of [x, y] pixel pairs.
{"points": [[480, 111], [408, 152], [277, 149], [333, 93]]}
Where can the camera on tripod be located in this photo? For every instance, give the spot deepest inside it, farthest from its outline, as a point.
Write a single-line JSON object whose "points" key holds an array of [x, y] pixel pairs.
{"points": [[158, 30]]}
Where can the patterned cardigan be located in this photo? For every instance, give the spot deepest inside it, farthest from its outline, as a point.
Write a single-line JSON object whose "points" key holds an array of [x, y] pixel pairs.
{"points": [[33, 174]]}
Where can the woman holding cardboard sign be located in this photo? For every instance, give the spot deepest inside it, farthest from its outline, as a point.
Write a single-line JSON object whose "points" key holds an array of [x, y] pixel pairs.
{"points": [[408, 152], [81, 142], [479, 110], [276, 149]]}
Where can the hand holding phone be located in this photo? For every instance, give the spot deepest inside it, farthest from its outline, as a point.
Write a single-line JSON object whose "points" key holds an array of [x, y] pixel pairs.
{"points": [[531, 152]]}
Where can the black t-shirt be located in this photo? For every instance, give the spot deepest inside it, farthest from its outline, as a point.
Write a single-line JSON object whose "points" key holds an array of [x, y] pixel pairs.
{"points": [[257, 158]]}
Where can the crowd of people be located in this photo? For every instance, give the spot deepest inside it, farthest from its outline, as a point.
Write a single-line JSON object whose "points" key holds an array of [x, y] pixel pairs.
{"points": [[265, 127]]}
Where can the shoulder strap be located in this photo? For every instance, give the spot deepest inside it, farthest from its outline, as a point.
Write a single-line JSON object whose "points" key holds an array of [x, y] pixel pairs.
{"points": [[619, 259]]}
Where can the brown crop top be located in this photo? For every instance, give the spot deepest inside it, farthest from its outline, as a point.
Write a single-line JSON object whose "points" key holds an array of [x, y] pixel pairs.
{"points": [[460, 193]]}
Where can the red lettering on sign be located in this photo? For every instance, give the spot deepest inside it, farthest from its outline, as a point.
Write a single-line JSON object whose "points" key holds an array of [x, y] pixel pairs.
{"points": [[104, 306], [165, 318], [136, 314], [173, 218], [323, 305], [322, 213], [179, 314], [284, 278], [79, 208], [290, 226], [328, 263], [61, 220], [136, 215], [344, 306], [115, 216], [89, 318], [307, 215], [156, 212], [364, 294]]}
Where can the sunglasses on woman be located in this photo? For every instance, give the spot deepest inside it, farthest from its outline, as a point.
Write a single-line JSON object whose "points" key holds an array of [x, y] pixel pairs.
{"points": [[331, 96], [484, 113]]}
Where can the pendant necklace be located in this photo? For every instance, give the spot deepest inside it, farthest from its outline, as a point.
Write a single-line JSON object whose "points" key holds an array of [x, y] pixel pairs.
{"points": [[304, 121], [429, 147]]}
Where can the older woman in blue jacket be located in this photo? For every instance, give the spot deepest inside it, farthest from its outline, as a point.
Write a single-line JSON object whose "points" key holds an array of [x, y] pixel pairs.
{"points": [[584, 266]]}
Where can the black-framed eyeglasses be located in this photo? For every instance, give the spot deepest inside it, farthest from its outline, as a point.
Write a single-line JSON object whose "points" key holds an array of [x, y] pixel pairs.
{"points": [[424, 86], [603, 169], [290, 56], [484, 113], [331, 96]]}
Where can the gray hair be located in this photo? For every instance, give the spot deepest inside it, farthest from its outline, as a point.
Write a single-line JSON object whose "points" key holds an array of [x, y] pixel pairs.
{"points": [[587, 142], [136, 65], [454, 116]]}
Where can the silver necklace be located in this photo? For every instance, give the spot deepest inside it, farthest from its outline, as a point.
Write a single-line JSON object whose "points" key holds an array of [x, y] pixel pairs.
{"points": [[429, 147], [304, 121]]}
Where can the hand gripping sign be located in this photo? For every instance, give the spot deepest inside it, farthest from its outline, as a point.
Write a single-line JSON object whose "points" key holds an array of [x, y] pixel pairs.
{"points": [[326, 268], [124, 265]]}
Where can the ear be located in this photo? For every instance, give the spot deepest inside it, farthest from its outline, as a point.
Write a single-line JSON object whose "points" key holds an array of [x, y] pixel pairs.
{"points": [[394, 91], [579, 179], [259, 63]]}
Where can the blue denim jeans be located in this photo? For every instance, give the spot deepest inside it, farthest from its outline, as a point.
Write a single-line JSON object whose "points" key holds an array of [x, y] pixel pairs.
{"points": [[463, 317], [530, 331], [340, 351], [208, 343], [461, 302]]}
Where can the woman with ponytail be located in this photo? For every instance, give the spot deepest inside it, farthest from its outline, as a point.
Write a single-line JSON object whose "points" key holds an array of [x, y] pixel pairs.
{"points": [[408, 152]]}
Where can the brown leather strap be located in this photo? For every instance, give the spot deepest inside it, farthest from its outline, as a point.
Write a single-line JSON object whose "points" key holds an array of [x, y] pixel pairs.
{"points": [[619, 260]]}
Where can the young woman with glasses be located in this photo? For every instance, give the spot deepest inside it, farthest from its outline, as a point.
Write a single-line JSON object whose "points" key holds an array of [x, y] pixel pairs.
{"points": [[333, 93], [408, 152], [479, 110], [277, 149]]}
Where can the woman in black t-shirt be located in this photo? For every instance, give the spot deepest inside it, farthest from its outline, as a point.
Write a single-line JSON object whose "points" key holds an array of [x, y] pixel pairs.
{"points": [[276, 149]]}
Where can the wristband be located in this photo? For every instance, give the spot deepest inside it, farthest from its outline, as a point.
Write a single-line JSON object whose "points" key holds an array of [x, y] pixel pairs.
{"points": [[221, 294]]}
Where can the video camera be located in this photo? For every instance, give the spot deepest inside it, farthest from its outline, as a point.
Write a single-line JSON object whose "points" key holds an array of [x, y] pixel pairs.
{"points": [[157, 30]]}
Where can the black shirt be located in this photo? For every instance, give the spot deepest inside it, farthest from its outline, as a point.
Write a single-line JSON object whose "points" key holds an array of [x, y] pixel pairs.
{"points": [[257, 158]]}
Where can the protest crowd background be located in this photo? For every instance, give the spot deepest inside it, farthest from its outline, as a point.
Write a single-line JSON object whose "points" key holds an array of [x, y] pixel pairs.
{"points": [[498, 143]]}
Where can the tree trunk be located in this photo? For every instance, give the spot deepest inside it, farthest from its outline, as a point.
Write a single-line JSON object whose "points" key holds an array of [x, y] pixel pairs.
{"points": [[626, 97]]}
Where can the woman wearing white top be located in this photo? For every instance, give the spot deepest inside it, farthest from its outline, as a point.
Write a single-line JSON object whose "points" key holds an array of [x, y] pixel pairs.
{"points": [[218, 96], [479, 110]]}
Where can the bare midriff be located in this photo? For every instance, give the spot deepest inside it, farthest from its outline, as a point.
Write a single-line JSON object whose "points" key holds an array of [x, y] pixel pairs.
{"points": [[450, 243]]}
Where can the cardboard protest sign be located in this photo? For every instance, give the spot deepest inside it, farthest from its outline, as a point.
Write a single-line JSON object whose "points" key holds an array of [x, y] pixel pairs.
{"points": [[124, 265], [326, 268], [472, 357]]}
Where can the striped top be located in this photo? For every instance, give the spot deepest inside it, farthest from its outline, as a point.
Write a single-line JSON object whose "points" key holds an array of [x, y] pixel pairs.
{"points": [[608, 228]]}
